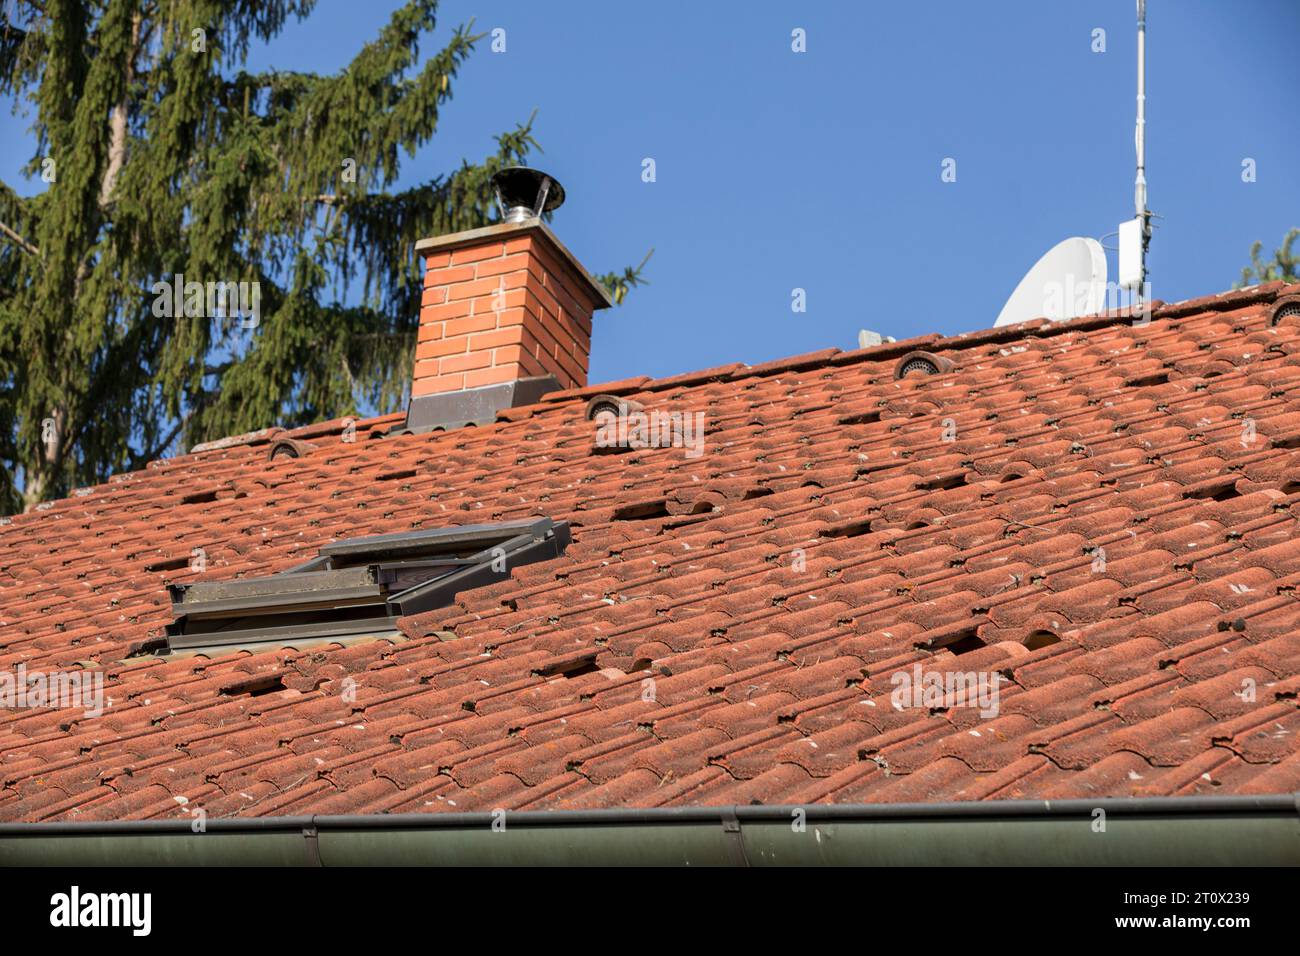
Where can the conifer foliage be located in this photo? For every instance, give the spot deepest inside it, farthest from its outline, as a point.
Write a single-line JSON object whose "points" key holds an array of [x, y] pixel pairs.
{"points": [[1285, 264], [162, 156]]}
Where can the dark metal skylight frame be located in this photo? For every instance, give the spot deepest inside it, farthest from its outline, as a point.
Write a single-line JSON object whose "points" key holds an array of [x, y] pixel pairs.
{"points": [[358, 586]]}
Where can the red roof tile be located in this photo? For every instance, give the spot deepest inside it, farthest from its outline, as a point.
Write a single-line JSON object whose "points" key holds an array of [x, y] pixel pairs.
{"points": [[1100, 513]]}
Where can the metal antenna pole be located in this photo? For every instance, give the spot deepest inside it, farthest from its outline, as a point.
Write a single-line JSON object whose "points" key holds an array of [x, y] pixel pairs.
{"points": [[1140, 140]]}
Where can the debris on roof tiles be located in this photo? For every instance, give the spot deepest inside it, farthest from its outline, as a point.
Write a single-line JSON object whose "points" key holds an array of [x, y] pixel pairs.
{"points": [[1066, 567]]}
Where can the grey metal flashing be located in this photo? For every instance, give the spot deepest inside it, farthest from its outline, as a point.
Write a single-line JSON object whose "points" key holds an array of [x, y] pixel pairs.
{"points": [[1181, 831], [408, 543], [307, 583], [297, 635], [301, 642], [473, 406]]}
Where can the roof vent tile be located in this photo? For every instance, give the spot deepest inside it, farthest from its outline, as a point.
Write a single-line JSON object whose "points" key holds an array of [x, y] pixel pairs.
{"points": [[927, 363], [606, 403], [1286, 307], [289, 448]]}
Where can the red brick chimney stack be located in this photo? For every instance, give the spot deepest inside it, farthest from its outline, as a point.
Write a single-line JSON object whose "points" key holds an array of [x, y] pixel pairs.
{"points": [[505, 317]]}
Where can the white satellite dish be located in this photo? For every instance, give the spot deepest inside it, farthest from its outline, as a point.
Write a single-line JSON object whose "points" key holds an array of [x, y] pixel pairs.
{"points": [[1069, 281]]}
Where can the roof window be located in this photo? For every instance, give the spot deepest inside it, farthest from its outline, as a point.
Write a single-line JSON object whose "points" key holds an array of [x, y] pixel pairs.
{"points": [[357, 587]]}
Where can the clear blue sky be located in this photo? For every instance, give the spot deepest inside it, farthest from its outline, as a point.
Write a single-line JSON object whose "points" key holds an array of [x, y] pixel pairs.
{"points": [[821, 170]]}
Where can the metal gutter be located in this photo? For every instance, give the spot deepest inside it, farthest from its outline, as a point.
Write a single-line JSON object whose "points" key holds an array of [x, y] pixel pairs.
{"points": [[1164, 831]]}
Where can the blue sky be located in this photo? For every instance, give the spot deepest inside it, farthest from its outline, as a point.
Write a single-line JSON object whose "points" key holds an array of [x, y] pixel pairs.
{"points": [[821, 170]]}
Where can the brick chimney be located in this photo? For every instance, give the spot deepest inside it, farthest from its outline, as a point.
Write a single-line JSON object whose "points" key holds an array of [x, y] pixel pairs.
{"points": [[506, 313]]}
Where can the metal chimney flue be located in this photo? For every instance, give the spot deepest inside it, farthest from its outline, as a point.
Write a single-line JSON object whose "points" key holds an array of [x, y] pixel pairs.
{"points": [[524, 193]]}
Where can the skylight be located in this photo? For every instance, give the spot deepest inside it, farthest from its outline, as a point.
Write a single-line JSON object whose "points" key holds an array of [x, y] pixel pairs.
{"points": [[357, 587]]}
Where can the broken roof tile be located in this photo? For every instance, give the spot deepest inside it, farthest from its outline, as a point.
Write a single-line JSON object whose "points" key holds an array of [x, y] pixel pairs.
{"points": [[1074, 507]]}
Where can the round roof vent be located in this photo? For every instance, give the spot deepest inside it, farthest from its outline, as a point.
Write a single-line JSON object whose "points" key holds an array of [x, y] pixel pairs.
{"points": [[289, 448], [927, 363], [1284, 308], [611, 405]]}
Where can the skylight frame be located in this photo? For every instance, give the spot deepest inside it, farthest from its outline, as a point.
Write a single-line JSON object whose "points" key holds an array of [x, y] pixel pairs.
{"points": [[357, 587]]}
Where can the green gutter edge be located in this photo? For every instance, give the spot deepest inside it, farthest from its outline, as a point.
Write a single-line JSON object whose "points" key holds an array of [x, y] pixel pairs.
{"points": [[1163, 831]]}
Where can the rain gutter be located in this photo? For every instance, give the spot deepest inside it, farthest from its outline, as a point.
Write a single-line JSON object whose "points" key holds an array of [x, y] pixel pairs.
{"points": [[1165, 831]]}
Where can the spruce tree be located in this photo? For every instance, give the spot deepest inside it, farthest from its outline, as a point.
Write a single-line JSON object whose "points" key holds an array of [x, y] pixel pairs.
{"points": [[1284, 265], [163, 155]]}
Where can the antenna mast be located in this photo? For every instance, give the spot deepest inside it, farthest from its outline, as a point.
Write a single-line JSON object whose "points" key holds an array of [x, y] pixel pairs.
{"points": [[1140, 140]]}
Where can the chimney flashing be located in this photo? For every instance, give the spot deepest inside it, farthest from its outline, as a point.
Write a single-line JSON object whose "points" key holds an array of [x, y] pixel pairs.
{"points": [[473, 406]]}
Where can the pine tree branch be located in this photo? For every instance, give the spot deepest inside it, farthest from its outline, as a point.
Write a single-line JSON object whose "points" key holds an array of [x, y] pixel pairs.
{"points": [[152, 454], [618, 285], [197, 167], [19, 241]]}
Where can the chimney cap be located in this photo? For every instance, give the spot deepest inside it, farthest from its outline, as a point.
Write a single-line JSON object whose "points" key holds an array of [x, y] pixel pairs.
{"points": [[524, 193]]}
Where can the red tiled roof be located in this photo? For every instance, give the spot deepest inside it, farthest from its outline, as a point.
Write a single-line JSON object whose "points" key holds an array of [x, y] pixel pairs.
{"points": [[827, 539]]}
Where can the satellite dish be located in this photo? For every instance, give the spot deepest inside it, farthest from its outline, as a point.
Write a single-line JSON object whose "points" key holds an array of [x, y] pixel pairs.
{"points": [[1069, 281]]}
